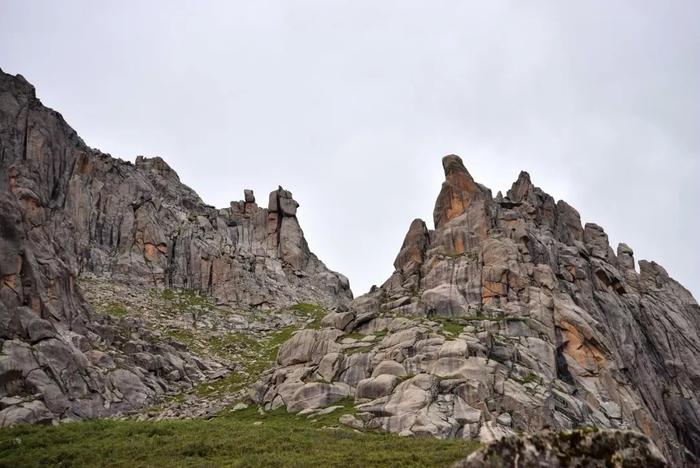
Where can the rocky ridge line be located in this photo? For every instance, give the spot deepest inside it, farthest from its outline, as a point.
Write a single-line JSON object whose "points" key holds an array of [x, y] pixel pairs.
{"points": [[510, 316], [67, 210]]}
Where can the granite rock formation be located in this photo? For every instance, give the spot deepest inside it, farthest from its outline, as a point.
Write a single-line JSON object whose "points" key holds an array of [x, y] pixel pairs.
{"points": [[66, 210], [509, 316], [589, 448]]}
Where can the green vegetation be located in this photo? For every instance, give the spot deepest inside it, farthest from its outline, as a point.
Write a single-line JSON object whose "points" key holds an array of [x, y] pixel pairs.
{"points": [[529, 378], [353, 335], [450, 325], [114, 309], [362, 349], [312, 311], [254, 356], [187, 301], [185, 337], [250, 355], [241, 439]]}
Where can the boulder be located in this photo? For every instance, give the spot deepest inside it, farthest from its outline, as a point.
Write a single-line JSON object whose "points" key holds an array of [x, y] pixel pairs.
{"points": [[390, 368], [376, 387], [317, 395], [581, 447], [308, 345], [351, 421]]}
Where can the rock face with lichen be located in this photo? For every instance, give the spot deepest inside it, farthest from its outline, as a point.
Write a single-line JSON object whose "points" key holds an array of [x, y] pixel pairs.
{"points": [[67, 210], [590, 448], [509, 316], [138, 223]]}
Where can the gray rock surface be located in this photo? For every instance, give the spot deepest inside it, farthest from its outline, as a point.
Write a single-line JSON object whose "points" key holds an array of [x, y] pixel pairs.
{"points": [[512, 317], [68, 210], [594, 449]]}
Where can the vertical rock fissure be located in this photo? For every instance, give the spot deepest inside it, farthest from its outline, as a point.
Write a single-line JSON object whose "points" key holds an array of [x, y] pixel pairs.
{"points": [[170, 265], [279, 223], [26, 133]]}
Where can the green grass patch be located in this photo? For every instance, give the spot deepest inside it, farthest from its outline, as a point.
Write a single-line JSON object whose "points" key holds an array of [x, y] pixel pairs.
{"points": [[450, 325], [361, 349], [183, 336], [278, 439], [312, 311], [354, 335], [254, 356], [187, 301], [115, 310]]}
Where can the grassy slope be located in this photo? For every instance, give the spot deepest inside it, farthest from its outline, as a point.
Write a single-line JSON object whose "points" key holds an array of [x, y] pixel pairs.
{"points": [[281, 439], [232, 439]]}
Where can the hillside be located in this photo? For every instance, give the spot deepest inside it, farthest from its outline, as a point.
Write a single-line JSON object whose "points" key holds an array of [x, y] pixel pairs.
{"points": [[508, 317], [77, 222], [215, 336]]}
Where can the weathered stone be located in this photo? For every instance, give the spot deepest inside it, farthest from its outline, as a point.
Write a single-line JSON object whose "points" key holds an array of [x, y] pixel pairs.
{"points": [[625, 256], [308, 345], [413, 249], [571, 448], [445, 300], [454, 348], [351, 421], [248, 196], [390, 368], [376, 387], [554, 330], [66, 208], [317, 395], [338, 320]]}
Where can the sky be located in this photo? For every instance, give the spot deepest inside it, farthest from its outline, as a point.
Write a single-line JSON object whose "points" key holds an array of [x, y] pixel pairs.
{"points": [[352, 104]]}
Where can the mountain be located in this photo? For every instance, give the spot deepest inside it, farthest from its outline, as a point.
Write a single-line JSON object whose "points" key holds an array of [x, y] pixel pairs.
{"points": [[68, 212], [509, 316], [123, 295]]}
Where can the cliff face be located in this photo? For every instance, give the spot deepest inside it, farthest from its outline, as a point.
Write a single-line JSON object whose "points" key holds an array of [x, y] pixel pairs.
{"points": [[66, 209], [508, 316], [139, 223]]}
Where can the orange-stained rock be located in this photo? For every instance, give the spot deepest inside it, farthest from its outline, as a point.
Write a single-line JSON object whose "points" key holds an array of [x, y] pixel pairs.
{"points": [[457, 193]]}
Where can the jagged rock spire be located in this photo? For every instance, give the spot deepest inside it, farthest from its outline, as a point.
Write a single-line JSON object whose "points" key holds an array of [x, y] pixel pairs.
{"points": [[131, 223], [457, 192], [551, 329]]}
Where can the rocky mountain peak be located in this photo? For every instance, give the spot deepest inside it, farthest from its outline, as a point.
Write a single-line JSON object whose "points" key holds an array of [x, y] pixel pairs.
{"points": [[521, 188], [458, 193], [510, 316], [69, 212]]}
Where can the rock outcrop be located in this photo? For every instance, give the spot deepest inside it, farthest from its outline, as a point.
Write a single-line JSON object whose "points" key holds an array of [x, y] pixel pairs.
{"points": [[67, 209], [510, 316], [590, 448]]}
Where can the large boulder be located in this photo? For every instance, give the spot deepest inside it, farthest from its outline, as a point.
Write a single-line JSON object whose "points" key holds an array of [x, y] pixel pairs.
{"points": [[317, 395], [308, 345], [376, 387], [583, 447]]}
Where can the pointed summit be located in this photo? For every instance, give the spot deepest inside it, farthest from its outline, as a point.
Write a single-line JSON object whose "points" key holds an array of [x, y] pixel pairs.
{"points": [[453, 163], [521, 188], [457, 192]]}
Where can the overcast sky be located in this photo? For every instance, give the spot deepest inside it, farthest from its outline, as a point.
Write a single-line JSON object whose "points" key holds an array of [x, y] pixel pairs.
{"points": [[351, 106]]}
